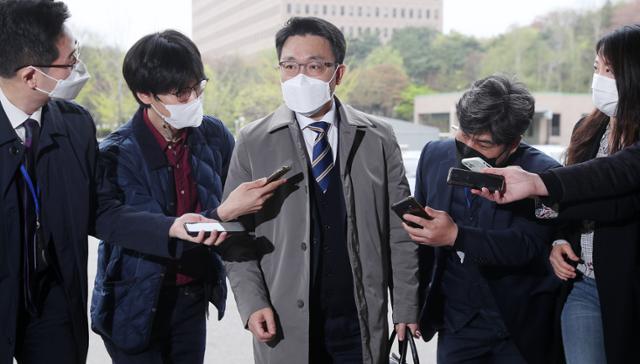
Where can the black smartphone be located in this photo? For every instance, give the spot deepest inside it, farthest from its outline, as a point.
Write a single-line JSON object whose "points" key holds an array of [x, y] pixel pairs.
{"points": [[573, 263], [409, 205], [476, 180], [193, 228], [279, 173]]}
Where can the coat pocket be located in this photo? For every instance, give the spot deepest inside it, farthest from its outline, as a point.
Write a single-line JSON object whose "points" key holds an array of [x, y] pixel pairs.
{"points": [[122, 312]]}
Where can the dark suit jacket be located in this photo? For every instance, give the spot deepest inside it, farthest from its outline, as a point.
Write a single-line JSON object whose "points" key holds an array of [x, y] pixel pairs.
{"points": [[75, 202], [509, 246]]}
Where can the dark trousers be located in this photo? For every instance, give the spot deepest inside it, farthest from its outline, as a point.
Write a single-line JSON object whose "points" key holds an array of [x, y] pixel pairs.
{"points": [[335, 340], [478, 342], [47, 338], [179, 329]]}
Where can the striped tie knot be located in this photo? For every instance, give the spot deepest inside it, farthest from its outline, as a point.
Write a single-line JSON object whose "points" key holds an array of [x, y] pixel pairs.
{"points": [[322, 158]]}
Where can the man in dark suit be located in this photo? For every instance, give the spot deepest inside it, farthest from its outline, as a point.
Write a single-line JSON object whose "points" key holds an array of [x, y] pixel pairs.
{"points": [[486, 285], [51, 193]]}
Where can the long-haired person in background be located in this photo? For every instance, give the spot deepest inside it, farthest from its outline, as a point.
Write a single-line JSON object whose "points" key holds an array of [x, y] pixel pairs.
{"points": [[600, 314]]}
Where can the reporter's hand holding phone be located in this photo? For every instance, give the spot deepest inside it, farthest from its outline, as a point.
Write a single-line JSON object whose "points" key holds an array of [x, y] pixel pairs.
{"points": [[247, 198], [177, 230], [519, 184], [441, 230]]}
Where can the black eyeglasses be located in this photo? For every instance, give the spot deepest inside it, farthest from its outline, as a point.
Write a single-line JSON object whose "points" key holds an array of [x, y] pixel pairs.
{"points": [[75, 58], [183, 94]]}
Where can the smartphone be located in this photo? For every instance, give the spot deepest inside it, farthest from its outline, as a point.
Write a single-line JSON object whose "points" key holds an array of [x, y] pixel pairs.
{"points": [[475, 164], [476, 180], [279, 173], [193, 228], [409, 205], [573, 263]]}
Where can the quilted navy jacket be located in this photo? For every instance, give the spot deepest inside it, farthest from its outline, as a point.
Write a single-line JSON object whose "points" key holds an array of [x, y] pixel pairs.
{"points": [[128, 282]]}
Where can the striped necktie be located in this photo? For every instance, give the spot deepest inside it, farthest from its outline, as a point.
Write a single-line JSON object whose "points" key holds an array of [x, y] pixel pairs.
{"points": [[322, 159]]}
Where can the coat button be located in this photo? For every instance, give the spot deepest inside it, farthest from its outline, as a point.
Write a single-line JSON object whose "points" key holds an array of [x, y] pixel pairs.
{"points": [[303, 246], [14, 150], [300, 303]]}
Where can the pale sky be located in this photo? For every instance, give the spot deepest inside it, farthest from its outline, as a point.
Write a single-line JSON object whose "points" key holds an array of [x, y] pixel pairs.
{"points": [[122, 22]]}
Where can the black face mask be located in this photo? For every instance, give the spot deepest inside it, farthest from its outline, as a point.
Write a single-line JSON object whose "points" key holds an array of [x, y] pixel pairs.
{"points": [[465, 151]]}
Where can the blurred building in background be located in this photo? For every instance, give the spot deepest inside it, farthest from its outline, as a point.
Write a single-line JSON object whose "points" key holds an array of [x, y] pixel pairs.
{"points": [[555, 116], [223, 27]]}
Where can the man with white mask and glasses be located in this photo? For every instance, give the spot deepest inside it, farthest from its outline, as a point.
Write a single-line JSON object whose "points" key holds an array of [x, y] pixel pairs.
{"points": [[170, 159], [313, 287], [51, 191]]}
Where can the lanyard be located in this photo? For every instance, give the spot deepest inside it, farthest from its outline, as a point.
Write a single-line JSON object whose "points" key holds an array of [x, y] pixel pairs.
{"points": [[34, 193]]}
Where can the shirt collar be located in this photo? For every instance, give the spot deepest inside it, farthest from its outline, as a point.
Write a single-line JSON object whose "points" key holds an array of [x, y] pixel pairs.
{"points": [[164, 143], [16, 116], [329, 117]]}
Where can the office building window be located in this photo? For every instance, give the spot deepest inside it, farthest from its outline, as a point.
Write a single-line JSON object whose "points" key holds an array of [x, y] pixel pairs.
{"points": [[288, 8], [419, 13], [394, 13], [555, 125], [342, 10], [410, 13], [333, 10], [306, 9], [350, 10], [359, 31], [377, 12], [324, 10], [385, 31], [428, 14], [402, 13], [359, 10], [316, 9]]}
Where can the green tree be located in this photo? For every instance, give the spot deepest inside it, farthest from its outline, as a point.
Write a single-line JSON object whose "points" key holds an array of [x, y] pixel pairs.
{"points": [[378, 89], [359, 48], [404, 108]]}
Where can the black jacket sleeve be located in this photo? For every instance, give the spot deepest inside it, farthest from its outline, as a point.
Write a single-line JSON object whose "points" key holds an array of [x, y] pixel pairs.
{"points": [[611, 176]]}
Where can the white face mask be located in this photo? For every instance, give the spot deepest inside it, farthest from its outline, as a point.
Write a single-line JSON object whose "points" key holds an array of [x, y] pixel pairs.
{"points": [[183, 115], [604, 94], [68, 88], [306, 95]]}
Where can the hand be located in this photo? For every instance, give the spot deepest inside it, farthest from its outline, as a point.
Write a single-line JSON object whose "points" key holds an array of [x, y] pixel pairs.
{"points": [[519, 184], [441, 231], [177, 230], [247, 198], [262, 324], [562, 269], [401, 329]]}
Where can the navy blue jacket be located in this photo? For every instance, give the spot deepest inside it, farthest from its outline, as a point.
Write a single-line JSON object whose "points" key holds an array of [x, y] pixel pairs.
{"points": [[75, 202], [128, 281], [510, 247]]}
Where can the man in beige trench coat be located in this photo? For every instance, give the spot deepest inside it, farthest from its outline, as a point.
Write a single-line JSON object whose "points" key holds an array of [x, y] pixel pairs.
{"points": [[313, 285]]}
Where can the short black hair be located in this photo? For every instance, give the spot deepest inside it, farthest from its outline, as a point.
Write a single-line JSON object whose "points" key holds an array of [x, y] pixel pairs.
{"points": [[498, 105], [313, 26], [161, 62], [29, 31]]}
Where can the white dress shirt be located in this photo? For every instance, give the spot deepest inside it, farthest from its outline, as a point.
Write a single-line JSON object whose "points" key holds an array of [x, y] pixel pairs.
{"points": [[310, 135], [16, 116]]}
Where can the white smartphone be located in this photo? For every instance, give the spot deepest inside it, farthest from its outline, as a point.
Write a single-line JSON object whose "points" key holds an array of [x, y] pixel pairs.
{"points": [[475, 164], [194, 228]]}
